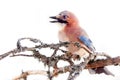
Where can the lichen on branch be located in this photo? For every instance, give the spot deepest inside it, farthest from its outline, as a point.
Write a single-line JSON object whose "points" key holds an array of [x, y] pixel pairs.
{"points": [[52, 61]]}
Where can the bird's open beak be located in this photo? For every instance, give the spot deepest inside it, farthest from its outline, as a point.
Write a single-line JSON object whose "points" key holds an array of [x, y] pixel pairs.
{"points": [[57, 20]]}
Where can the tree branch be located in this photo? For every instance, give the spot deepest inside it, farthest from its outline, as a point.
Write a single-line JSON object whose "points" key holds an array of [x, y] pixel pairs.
{"points": [[96, 64], [52, 61], [27, 73], [104, 62]]}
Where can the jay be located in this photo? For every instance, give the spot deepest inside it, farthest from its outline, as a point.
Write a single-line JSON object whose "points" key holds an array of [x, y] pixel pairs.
{"points": [[71, 31]]}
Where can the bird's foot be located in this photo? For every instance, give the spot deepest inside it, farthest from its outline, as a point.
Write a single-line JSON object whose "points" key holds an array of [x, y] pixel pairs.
{"points": [[75, 57]]}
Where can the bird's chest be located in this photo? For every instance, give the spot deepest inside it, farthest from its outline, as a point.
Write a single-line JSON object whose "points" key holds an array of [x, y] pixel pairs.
{"points": [[72, 34], [62, 36], [69, 34]]}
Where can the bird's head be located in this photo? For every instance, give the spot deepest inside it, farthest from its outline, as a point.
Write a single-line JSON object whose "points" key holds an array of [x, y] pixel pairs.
{"points": [[65, 17]]}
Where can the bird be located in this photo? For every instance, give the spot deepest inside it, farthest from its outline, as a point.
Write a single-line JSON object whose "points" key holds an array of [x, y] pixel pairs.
{"points": [[71, 31]]}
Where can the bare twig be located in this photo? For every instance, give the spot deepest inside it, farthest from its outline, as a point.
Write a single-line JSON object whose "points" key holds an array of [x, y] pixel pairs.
{"points": [[8, 53], [27, 73]]}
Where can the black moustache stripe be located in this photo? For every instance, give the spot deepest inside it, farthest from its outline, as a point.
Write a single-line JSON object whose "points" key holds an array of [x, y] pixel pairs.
{"points": [[61, 21]]}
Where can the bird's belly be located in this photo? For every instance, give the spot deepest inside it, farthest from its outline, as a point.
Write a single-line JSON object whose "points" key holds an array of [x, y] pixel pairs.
{"points": [[79, 51]]}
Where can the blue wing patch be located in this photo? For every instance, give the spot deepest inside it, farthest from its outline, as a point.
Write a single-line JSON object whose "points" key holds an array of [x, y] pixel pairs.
{"points": [[87, 42]]}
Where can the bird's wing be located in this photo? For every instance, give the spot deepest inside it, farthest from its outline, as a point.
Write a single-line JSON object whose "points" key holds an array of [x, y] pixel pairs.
{"points": [[87, 42]]}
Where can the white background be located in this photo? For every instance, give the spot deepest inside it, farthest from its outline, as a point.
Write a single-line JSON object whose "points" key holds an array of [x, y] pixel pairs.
{"points": [[30, 18]]}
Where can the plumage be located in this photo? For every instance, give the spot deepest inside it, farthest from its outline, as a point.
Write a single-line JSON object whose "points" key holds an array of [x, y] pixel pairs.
{"points": [[74, 33], [87, 42]]}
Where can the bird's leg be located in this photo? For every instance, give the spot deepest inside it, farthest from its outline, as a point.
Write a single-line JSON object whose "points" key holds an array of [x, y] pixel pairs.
{"points": [[75, 57]]}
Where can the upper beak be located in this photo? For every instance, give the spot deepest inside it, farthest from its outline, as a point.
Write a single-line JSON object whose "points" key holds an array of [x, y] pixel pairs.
{"points": [[53, 17]]}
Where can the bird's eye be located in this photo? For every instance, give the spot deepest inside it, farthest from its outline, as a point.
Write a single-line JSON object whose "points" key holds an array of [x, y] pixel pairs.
{"points": [[65, 16]]}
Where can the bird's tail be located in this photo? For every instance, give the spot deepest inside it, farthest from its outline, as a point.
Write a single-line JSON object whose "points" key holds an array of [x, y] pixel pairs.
{"points": [[100, 70]]}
